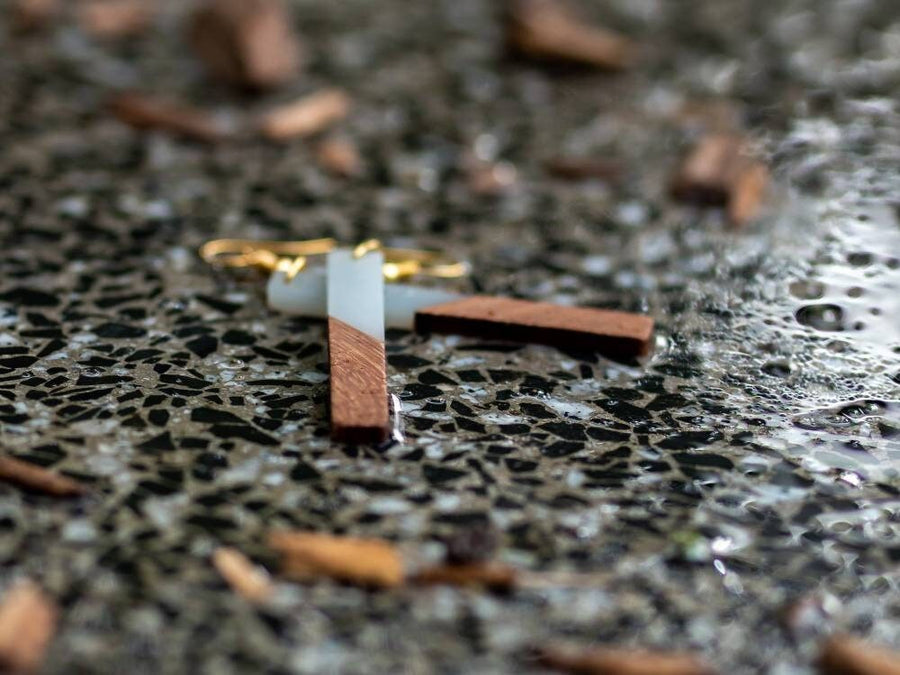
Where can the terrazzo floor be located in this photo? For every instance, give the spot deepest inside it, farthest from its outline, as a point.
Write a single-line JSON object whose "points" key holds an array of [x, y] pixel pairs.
{"points": [[752, 461]]}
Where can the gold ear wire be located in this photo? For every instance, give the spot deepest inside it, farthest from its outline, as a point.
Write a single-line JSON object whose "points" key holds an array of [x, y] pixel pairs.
{"points": [[291, 257], [262, 254]]}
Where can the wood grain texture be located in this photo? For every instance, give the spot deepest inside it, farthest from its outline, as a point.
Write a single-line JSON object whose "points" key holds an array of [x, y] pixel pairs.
{"points": [[37, 478], [27, 624], [606, 661], [845, 655], [359, 397], [616, 334]]}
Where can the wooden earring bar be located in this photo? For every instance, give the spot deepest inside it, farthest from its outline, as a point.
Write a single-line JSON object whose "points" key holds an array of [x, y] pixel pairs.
{"points": [[427, 310], [355, 305]]}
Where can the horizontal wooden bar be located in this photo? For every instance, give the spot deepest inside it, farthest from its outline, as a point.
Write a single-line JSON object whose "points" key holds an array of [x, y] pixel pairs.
{"points": [[615, 334]]}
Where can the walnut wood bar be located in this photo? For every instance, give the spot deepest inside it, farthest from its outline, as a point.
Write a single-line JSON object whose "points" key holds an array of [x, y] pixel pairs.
{"points": [[615, 334], [359, 397]]}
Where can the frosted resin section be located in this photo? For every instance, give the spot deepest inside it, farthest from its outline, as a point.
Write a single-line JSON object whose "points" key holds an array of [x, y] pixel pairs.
{"points": [[306, 295], [355, 290]]}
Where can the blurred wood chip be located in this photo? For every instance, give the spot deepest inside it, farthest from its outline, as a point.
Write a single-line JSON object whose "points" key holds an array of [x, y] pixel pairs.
{"points": [[249, 43], [845, 655], [146, 112], [306, 116], [721, 171], [27, 624], [492, 576], [246, 579], [491, 179], [365, 562], [37, 478], [582, 168], [340, 157], [33, 15], [603, 661], [547, 30], [115, 18]]}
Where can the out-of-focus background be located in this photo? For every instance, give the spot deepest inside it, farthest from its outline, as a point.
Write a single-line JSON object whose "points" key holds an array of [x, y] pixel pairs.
{"points": [[748, 468]]}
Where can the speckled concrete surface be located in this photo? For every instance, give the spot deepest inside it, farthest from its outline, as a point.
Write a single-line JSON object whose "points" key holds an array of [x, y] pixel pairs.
{"points": [[752, 460]]}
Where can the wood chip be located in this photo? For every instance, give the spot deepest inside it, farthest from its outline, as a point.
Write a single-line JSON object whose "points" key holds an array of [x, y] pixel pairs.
{"points": [[340, 157], [491, 179], [547, 30], [602, 661], [616, 334], [27, 624], [115, 18], [246, 579], [582, 168], [306, 116], [845, 655], [492, 576], [37, 478], [248, 43], [146, 112], [721, 171], [33, 15], [365, 562]]}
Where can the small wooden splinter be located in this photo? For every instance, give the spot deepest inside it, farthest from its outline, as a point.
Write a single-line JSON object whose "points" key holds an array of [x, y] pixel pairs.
{"points": [[616, 334], [146, 112], [249, 43], [245, 578], [367, 562], [37, 478], [608, 661], [845, 655], [27, 624], [306, 116], [721, 171], [547, 30], [355, 299]]}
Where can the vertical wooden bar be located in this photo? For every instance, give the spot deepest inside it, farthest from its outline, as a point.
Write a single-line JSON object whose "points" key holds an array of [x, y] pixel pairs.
{"points": [[359, 398]]}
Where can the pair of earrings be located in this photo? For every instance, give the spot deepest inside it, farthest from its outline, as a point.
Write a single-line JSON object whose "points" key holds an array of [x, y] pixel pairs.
{"points": [[362, 290]]}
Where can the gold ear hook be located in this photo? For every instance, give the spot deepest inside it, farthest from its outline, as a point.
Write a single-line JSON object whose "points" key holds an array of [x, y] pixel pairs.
{"points": [[290, 257], [366, 247], [401, 263], [263, 254]]}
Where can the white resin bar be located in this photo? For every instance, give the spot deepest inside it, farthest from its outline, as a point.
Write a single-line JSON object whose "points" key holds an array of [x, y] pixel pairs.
{"points": [[355, 290], [306, 295]]}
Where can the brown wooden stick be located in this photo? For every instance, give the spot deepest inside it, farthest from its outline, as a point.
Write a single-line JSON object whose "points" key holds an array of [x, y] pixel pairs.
{"points": [[545, 29], [249, 43], [146, 112], [721, 171], [367, 562], [27, 624], [603, 661], [306, 116], [359, 402], [493, 576], [339, 156], [33, 15], [845, 655], [583, 168], [37, 478], [616, 334], [115, 18], [245, 578]]}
